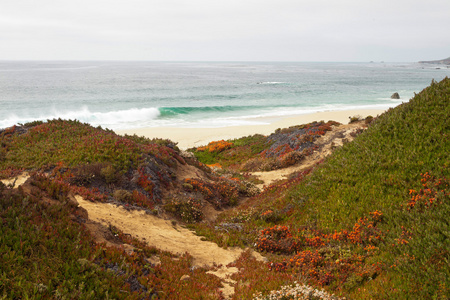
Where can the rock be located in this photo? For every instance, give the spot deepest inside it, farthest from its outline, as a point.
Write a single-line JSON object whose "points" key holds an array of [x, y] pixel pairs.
{"points": [[187, 154], [229, 226], [72, 200], [395, 96], [185, 278]]}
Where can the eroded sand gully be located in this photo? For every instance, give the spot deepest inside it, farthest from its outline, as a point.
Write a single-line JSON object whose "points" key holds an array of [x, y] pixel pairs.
{"points": [[164, 235], [159, 233]]}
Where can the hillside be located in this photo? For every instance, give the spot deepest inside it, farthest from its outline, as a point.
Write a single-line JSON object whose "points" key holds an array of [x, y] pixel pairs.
{"points": [[43, 220], [398, 168], [445, 61], [363, 219], [370, 221]]}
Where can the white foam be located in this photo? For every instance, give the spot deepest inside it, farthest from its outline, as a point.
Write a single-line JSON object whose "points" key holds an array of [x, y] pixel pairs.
{"points": [[271, 82], [288, 111], [256, 117], [127, 118]]}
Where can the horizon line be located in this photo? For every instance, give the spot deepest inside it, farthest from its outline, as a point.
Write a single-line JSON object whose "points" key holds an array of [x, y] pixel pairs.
{"points": [[203, 61]]}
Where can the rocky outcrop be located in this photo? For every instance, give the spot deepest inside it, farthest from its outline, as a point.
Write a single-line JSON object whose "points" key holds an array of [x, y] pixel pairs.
{"points": [[395, 96], [445, 61]]}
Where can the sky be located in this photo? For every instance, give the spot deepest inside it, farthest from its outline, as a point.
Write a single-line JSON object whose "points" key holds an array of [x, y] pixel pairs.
{"points": [[225, 30]]}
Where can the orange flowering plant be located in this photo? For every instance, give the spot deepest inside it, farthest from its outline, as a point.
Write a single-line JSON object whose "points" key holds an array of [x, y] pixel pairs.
{"points": [[216, 146]]}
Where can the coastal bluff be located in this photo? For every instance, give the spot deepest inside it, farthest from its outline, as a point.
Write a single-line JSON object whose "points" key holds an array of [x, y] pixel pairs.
{"points": [[445, 61]]}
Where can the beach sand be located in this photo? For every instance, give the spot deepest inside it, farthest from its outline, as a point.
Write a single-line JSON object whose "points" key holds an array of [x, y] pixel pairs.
{"points": [[194, 137]]}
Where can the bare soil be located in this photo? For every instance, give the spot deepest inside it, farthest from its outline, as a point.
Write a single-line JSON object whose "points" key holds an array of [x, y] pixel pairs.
{"points": [[167, 235]]}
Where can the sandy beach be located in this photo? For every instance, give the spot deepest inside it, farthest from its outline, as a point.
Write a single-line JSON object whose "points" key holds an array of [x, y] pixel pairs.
{"points": [[194, 137]]}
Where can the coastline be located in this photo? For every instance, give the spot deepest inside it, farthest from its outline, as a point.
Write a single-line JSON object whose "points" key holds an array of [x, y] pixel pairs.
{"points": [[194, 137]]}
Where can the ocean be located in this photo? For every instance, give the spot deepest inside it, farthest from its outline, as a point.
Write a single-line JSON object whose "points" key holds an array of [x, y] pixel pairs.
{"points": [[127, 95]]}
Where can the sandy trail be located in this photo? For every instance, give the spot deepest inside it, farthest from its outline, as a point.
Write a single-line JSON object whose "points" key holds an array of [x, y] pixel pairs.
{"points": [[164, 235], [334, 138], [159, 233], [269, 177]]}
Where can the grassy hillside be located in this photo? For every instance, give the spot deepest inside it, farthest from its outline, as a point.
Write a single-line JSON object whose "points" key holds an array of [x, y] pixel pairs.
{"points": [[48, 247], [369, 222], [372, 220], [376, 170], [47, 252], [399, 167]]}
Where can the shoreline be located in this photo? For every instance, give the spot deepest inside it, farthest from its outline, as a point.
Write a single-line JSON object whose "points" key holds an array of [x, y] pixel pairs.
{"points": [[195, 137]]}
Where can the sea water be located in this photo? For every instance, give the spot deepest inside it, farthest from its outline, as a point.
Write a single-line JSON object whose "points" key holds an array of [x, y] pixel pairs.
{"points": [[125, 95]]}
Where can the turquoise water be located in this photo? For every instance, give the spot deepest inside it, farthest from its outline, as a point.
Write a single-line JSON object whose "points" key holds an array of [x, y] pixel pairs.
{"points": [[123, 95]]}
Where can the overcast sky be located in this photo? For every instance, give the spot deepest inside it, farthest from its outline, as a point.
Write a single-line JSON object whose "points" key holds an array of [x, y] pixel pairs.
{"points": [[225, 30]]}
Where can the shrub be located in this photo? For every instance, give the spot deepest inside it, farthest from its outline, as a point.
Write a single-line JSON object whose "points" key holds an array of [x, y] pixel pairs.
{"points": [[290, 159], [220, 193], [368, 120], [354, 119], [123, 196], [189, 211], [85, 174], [217, 146], [110, 174]]}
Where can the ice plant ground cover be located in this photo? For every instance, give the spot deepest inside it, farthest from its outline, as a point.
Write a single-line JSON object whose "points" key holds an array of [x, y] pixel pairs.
{"points": [[48, 253], [283, 148], [368, 222]]}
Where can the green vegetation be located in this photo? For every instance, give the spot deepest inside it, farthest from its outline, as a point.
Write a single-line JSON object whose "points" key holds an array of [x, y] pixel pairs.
{"points": [[283, 148], [376, 172], [369, 222], [232, 154], [45, 144], [48, 253], [45, 255], [350, 226]]}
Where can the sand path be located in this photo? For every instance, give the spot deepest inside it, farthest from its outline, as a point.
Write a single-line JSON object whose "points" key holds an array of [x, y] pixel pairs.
{"points": [[163, 234], [159, 233], [335, 138], [166, 235]]}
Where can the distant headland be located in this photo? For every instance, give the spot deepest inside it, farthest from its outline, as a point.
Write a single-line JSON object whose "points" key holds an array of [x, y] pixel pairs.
{"points": [[445, 61]]}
